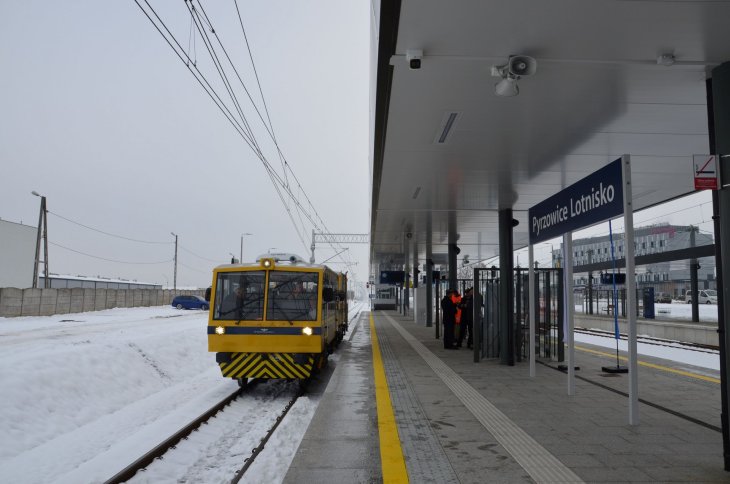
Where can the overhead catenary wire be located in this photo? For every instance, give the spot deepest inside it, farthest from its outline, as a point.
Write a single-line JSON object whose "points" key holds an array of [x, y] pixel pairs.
{"points": [[110, 234], [108, 260], [217, 261], [261, 92], [242, 126], [272, 174], [195, 71], [193, 268], [126, 238]]}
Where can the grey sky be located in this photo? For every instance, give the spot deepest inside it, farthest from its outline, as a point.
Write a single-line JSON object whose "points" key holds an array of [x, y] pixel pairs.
{"points": [[99, 115]]}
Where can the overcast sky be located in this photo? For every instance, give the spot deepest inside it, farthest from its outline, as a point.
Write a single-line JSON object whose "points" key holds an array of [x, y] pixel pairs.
{"points": [[101, 117]]}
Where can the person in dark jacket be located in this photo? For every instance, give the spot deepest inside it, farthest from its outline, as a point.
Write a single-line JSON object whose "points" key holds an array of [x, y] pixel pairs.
{"points": [[448, 311], [467, 318]]}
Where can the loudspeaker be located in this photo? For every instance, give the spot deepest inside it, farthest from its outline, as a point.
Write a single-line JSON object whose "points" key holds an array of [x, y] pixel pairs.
{"points": [[521, 65]]}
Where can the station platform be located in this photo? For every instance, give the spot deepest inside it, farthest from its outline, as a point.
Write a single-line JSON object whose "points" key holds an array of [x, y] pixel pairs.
{"points": [[460, 421]]}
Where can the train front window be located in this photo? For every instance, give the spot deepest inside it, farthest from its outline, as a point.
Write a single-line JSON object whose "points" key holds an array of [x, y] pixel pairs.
{"points": [[240, 296], [292, 296]]}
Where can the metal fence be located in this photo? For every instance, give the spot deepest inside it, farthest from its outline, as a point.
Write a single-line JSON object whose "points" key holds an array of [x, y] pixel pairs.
{"points": [[489, 340]]}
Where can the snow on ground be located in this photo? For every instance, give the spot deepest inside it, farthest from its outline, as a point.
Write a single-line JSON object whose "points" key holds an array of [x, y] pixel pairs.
{"points": [[705, 358], [677, 310], [86, 394], [78, 385]]}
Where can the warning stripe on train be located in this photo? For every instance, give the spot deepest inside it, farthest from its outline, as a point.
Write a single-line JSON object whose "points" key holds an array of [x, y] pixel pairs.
{"points": [[269, 365]]}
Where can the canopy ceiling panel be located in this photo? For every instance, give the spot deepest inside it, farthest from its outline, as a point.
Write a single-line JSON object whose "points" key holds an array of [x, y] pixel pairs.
{"points": [[598, 93]]}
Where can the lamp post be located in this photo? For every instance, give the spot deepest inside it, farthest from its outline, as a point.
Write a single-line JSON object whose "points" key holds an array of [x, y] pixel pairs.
{"points": [[42, 220], [240, 259], [174, 278]]}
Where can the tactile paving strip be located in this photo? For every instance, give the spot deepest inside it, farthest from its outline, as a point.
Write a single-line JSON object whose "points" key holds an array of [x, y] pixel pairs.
{"points": [[425, 458], [540, 464]]}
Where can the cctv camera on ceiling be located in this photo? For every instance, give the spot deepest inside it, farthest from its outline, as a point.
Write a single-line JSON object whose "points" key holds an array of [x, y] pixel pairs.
{"points": [[414, 56]]}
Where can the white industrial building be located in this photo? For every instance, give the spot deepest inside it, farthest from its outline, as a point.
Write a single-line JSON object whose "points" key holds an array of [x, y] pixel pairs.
{"points": [[17, 254]]}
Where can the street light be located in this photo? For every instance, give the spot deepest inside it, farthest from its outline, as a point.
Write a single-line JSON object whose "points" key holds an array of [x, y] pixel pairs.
{"points": [[42, 220], [242, 236], [174, 279]]}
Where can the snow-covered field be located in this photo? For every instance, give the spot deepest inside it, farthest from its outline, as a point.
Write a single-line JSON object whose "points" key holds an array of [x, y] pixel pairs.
{"points": [[86, 394]]}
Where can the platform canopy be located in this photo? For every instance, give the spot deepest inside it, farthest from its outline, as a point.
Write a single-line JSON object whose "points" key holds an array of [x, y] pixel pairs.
{"points": [[600, 90]]}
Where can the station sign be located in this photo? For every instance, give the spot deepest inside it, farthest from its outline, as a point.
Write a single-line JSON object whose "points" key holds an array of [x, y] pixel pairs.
{"points": [[704, 169], [595, 198]]}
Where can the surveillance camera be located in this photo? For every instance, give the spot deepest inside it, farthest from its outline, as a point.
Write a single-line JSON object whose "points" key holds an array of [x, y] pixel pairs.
{"points": [[414, 56], [521, 65]]}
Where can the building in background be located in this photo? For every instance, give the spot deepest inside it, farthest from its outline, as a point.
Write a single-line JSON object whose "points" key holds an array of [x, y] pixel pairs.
{"points": [[17, 254], [671, 276]]}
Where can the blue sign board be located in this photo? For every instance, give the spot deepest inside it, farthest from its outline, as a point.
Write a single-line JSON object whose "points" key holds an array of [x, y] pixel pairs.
{"points": [[595, 198], [392, 277]]}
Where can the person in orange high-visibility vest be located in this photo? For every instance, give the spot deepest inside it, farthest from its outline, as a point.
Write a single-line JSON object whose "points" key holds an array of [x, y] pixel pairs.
{"points": [[456, 299]]}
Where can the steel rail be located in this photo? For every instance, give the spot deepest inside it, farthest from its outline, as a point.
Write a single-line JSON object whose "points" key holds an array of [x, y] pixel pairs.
{"points": [[257, 450], [159, 450], [699, 347]]}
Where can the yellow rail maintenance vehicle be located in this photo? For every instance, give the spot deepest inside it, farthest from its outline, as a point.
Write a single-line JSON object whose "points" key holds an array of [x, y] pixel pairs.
{"points": [[278, 318]]}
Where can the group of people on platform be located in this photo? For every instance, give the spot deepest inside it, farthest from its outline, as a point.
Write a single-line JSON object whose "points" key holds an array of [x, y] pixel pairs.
{"points": [[458, 318]]}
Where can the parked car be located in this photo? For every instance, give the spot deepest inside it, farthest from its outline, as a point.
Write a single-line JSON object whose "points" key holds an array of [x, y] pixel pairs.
{"points": [[662, 297], [707, 296], [190, 302]]}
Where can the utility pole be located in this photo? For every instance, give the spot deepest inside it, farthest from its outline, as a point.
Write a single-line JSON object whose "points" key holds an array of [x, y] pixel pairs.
{"points": [[174, 278], [42, 220], [240, 259]]}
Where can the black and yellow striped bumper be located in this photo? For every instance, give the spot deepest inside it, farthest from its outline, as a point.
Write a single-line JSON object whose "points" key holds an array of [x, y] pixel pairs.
{"points": [[265, 365]]}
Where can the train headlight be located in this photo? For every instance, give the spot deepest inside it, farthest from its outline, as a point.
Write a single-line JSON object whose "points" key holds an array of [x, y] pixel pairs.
{"points": [[267, 263], [307, 330], [220, 330]]}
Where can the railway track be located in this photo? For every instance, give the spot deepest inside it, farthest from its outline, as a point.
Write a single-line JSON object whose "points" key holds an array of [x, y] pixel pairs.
{"points": [[171, 442], [653, 341]]}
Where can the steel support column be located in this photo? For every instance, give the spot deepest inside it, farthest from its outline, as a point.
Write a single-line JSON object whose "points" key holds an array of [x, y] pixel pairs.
{"points": [[694, 287], [429, 273], [506, 292], [718, 103], [452, 250], [414, 249], [407, 282]]}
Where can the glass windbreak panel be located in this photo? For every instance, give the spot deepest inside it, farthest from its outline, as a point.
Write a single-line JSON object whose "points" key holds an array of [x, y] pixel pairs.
{"points": [[240, 295], [292, 296]]}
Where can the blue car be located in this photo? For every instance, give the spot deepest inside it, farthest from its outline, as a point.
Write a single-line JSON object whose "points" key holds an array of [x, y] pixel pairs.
{"points": [[190, 302]]}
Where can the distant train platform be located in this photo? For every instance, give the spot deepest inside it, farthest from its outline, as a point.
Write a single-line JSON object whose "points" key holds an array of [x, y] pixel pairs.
{"points": [[443, 418]]}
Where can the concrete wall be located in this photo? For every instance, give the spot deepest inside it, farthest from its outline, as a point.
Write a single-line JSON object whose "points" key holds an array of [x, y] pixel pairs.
{"points": [[45, 302], [672, 330]]}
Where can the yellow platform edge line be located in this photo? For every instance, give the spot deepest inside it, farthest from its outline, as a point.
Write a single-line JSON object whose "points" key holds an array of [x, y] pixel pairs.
{"points": [[652, 365], [391, 454]]}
